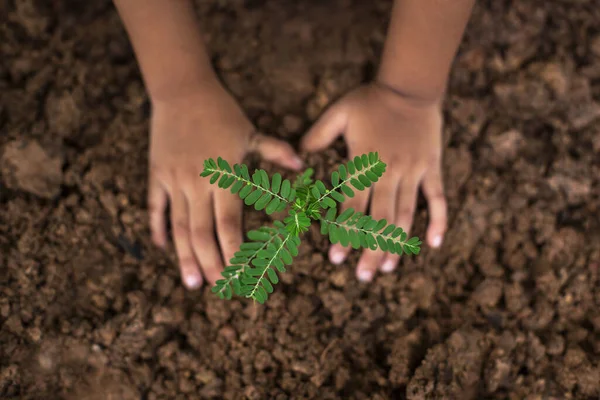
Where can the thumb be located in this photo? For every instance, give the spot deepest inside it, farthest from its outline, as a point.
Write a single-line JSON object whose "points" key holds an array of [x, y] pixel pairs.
{"points": [[331, 125], [276, 151]]}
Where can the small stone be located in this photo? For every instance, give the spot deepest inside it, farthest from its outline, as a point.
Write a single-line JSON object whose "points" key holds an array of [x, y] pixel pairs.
{"points": [[582, 115], [507, 144], [488, 293], [339, 278], [228, 333], [26, 166], [35, 334], [555, 76]]}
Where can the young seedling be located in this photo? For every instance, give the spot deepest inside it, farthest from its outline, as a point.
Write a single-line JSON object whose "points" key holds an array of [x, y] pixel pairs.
{"points": [[253, 269]]}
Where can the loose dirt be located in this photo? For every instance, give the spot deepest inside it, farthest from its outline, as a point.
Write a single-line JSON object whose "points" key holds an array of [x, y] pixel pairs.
{"points": [[508, 308]]}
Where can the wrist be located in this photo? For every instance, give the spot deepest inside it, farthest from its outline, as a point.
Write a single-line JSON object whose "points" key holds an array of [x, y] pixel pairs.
{"points": [[418, 98], [401, 99], [189, 84]]}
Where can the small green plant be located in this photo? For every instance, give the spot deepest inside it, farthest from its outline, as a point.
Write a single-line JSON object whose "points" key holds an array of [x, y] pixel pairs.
{"points": [[253, 269]]}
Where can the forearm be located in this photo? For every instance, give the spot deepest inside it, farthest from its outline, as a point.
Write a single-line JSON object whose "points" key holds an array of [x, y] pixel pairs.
{"points": [[168, 44], [422, 41]]}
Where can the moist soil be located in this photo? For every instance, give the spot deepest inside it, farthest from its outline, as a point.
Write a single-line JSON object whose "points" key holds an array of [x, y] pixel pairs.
{"points": [[508, 308]]}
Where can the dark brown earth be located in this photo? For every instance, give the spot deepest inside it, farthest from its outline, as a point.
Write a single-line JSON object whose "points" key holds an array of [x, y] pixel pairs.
{"points": [[509, 308]]}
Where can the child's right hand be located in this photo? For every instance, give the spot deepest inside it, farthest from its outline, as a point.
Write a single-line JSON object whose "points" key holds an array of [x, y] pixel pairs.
{"points": [[187, 128]]}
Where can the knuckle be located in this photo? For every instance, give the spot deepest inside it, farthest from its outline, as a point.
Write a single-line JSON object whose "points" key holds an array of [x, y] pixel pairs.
{"points": [[433, 161], [405, 213], [200, 236], [438, 197], [154, 208], [228, 223], [181, 228]]}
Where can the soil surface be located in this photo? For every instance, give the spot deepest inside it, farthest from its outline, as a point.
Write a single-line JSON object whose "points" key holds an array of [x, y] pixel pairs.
{"points": [[508, 308]]}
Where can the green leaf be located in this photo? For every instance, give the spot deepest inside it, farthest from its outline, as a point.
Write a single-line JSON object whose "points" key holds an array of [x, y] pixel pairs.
{"points": [[372, 158], [343, 236], [337, 196], [264, 179], [273, 276], [252, 197], [315, 192], [354, 240], [329, 202], [333, 235], [257, 236], [365, 160], [335, 178], [370, 225], [371, 175], [358, 163], [222, 181], [321, 186], [245, 191], [347, 191], [286, 256], [345, 215], [381, 242], [272, 207], [267, 285], [260, 262], [357, 184], [285, 188], [206, 173], [252, 245], [276, 182], [256, 177], [343, 172], [380, 224], [214, 178], [245, 173], [364, 180], [237, 186], [224, 165], [397, 232], [351, 167], [292, 247], [263, 201], [389, 229]]}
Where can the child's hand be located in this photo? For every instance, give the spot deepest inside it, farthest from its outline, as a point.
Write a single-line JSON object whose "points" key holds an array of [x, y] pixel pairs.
{"points": [[407, 135], [186, 130]]}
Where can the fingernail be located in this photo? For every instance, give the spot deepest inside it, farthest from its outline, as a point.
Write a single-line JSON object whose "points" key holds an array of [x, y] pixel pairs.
{"points": [[388, 266], [336, 257], [298, 163], [365, 275], [192, 281], [437, 241]]}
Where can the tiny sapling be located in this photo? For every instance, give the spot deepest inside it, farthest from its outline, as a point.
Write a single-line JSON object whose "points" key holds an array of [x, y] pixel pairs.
{"points": [[253, 269]]}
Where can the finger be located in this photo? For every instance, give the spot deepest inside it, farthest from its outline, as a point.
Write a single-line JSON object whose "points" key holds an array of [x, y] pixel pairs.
{"points": [[337, 252], [433, 190], [190, 270], [277, 151], [202, 234], [228, 216], [382, 207], [157, 204], [329, 126], [407, 202]]}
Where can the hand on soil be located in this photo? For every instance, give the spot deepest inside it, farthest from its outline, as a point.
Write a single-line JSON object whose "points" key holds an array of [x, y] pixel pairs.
{"points": [[184, 132], [408, 139]]}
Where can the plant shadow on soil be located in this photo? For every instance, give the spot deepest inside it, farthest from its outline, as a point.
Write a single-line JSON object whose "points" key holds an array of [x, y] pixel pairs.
{"points": [[508, 308]]}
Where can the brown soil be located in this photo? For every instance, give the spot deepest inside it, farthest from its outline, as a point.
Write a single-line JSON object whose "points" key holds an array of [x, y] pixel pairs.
{"points": [[509, 308]]}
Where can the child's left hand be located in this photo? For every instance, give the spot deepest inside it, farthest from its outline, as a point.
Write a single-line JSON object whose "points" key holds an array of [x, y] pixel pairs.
{"points": [[407, 135]]}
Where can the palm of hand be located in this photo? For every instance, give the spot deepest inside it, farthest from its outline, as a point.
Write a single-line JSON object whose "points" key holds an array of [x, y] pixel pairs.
{"points": [[408, 138]]}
